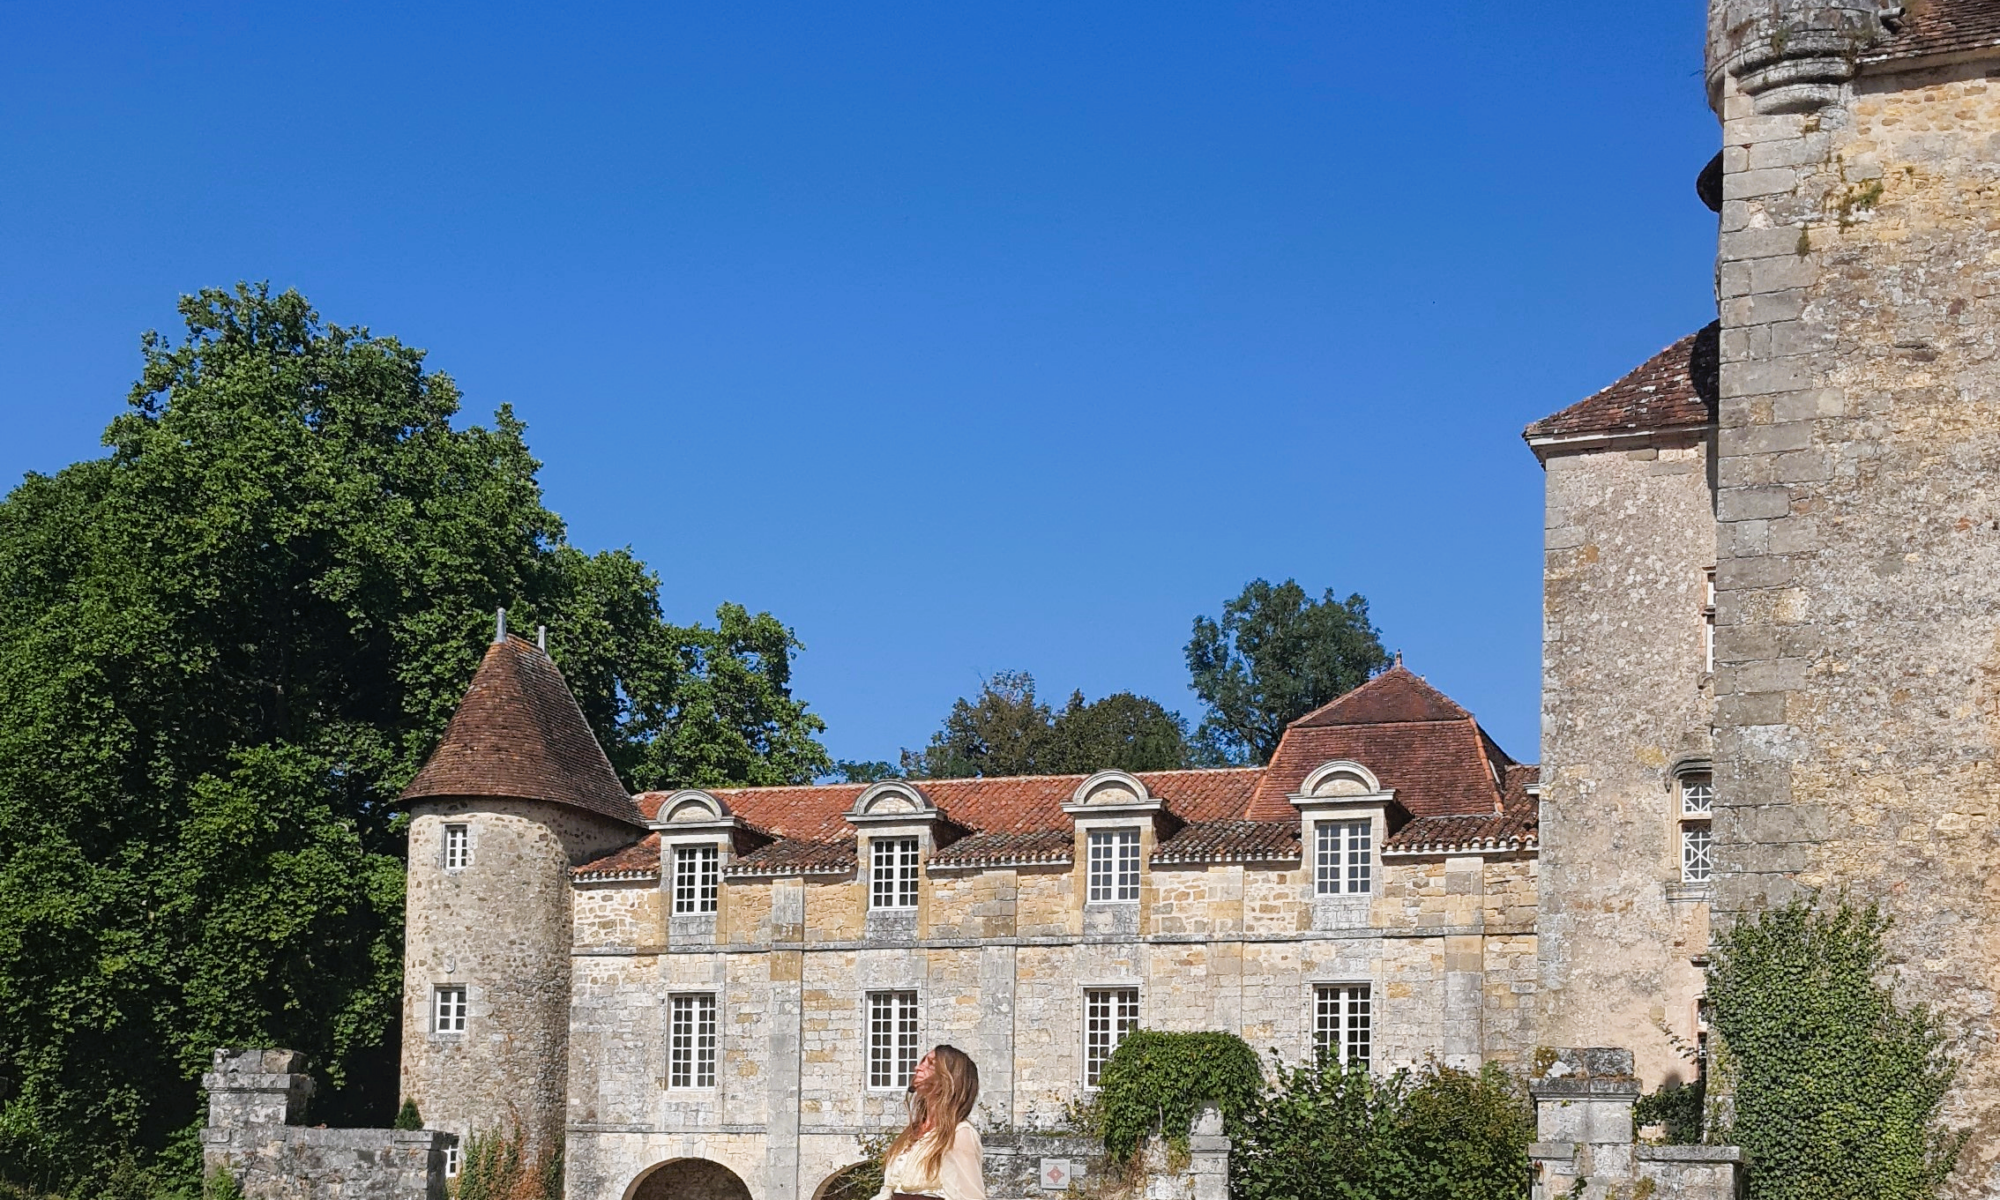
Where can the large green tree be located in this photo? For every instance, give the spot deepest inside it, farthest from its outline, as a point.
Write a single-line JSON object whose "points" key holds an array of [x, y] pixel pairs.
{"points": [[224, 648], [1006, 730], [1273, 656]]}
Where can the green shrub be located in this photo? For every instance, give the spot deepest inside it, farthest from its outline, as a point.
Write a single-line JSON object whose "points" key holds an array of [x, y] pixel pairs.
{"points": [[1162, 1080], [221, 1185], [1676, 1105], [1835, 1088], [1334, 1132], [407, 1117], [496, 1166]]}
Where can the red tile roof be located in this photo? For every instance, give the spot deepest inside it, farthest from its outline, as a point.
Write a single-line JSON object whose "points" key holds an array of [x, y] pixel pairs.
{"points": [[519, 734], [1231, 842], [1474, 833], [1674, 389], [640, 860], [1415, 739], [1931, 27]]}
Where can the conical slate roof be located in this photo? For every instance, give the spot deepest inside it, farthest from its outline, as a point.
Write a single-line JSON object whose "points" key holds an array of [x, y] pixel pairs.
{"points": [[519, 734]]}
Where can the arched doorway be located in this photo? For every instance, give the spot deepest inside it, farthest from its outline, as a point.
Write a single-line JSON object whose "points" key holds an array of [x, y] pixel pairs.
{"points": [[857, 1182], [689, 1179]]}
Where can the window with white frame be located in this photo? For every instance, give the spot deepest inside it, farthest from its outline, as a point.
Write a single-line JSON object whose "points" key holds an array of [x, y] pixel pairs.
{"points": [[448, 1009], [892, 1039], [1697, 792], [696, 870], [457, 847], [691, 1042], [1343, 858], [1114, 865], [892, 873], [451, 1162], [1108, 1015], [1342, 1022]]}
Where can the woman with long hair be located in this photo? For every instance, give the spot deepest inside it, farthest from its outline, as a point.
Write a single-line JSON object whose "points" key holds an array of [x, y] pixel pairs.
{"points": [[938, 1153]]}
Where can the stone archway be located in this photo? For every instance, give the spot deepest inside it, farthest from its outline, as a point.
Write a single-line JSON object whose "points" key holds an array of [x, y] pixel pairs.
{"points": [[689, 1179], [857, 1181]]}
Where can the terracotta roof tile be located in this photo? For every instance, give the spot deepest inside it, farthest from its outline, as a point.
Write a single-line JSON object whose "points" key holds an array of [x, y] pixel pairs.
{"points": [[1008, 849], [1674, 389], [1231, 841], [1490, 832], [792, 856], [1515, 782], [1397, 694], [1931, 27], [640, 860], [519, 734]]}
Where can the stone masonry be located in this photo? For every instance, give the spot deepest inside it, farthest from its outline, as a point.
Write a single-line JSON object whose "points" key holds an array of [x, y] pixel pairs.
{"points": [[256, 1099], [1858, 503]]}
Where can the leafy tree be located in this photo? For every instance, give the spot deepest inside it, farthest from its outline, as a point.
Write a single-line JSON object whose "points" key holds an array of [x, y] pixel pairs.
{"points": [[1006, 730], [1275, 655], [849, 770], [1836, 1089], [224, 648]]}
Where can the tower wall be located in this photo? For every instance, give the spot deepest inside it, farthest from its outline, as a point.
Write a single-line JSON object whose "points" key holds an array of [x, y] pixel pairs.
{"points": [[1858, 640], [1630, 537], [501, 928]]}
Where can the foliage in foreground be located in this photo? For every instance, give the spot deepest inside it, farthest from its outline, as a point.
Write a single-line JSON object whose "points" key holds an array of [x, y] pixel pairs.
{"points": [[497, 1165], [1836, 1089], [1161, 1081], [1334, 1132], [224, 648]]}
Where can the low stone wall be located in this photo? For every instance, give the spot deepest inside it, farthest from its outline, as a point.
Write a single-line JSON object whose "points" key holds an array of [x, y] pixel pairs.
{"points": [[1031, 1166], [256, 1098], [1587, 1148]]}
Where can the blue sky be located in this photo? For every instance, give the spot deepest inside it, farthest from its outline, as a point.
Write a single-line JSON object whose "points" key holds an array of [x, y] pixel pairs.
{"points": [[963, 337]]}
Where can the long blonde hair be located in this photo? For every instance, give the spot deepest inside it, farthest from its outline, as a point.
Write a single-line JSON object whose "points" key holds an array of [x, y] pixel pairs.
{"points": [[936, 1108]]}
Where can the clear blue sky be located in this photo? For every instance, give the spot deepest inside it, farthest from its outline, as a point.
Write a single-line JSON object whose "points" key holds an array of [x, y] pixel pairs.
{"points": [[961, 336]]}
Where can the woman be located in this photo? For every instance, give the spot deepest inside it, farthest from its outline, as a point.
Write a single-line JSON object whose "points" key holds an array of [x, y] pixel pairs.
{"points": [[938, 1154]]}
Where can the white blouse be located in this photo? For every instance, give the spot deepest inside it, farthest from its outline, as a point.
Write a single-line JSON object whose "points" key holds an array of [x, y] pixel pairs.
{"points": [[959, 1174]]}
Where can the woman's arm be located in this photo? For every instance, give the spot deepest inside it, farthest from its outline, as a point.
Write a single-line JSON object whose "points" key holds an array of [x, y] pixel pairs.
{"points": [[962, 1174]]}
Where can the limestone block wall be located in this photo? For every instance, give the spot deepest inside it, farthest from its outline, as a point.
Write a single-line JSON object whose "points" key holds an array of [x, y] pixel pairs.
{"points": [[1858, 639], [501, 927], [1625, 696]]}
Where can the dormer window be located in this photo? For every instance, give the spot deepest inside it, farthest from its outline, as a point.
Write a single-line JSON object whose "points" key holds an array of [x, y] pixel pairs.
{"points": [[697, 876], [1114, 866], [892, 873], [1343, 858]]}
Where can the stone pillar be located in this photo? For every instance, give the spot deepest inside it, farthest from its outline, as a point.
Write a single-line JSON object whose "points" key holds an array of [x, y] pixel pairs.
{"points": [[1208, 1153], [256, 1087], [1586, 1149], [786, 1014]]}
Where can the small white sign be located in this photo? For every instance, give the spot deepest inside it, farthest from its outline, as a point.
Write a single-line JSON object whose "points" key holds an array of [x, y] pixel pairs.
{"points": [[1055, 1174]]}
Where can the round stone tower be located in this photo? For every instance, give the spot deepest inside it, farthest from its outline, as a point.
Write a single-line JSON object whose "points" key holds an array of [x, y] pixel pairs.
{"points": [[1791, 55], [517, 793]]}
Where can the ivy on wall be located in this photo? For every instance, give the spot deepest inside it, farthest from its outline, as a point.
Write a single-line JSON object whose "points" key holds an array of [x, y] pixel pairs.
{"points": [[1832, 1088], [1163, 1080]]}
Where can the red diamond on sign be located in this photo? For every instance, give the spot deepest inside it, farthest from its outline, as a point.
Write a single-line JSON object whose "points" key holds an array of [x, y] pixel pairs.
{"points": [[1055, 1172]]}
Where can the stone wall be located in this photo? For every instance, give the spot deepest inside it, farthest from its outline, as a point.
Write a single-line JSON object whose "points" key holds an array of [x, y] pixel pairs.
{"points": [[1858, 647], [256, 1099], [1625, 698], [1585, 1149], [501, 927]]}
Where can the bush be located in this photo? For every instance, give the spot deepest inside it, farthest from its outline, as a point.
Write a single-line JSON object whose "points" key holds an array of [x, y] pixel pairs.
{"points": [[1835, 1088], [407, 1117], [1334, 1132], [1676, 1105], [1162, 1081], [221, 1185]]}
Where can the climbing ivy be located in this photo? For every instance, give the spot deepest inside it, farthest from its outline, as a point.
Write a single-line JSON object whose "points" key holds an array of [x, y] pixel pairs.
{"points": [[1835, 1088], [1163, 1080], [1678, 1106]]}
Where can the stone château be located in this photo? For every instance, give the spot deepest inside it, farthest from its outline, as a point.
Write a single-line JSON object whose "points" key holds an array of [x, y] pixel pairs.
{"points": [[1771, 664]]}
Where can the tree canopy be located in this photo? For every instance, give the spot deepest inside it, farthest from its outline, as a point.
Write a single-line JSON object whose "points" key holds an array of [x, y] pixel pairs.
{"points": [[1275, 655], [1006, 730], [224, 648]]}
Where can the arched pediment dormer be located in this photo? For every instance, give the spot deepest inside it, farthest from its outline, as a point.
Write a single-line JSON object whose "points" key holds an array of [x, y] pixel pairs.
{"points": [[892, 799], [1111, 787], [1340, 777], [692, 805]]}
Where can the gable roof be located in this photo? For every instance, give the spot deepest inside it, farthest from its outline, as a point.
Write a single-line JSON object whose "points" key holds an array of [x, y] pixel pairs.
{"points": [[1674, 389], [519, 734], [1931, 27]]}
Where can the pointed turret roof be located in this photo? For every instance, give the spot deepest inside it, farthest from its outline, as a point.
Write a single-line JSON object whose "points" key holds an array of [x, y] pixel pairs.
{"points": [[519, 734]]}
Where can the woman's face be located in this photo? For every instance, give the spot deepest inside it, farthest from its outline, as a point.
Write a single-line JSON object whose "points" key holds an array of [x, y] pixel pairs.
{"points": [[925, 1067]]}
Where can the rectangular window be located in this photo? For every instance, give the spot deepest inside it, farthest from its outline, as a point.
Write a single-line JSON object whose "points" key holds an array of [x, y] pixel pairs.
{"points": [[457, 847], [1343, 858], [892, 1039], [1114, 865], [691, 1043], [448, 1009], [1697, 852], [696, 869], [1708, 621], [1341, 1022], [1108, 1015], [1697, 795], [893, 873], [451, 1162]]}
